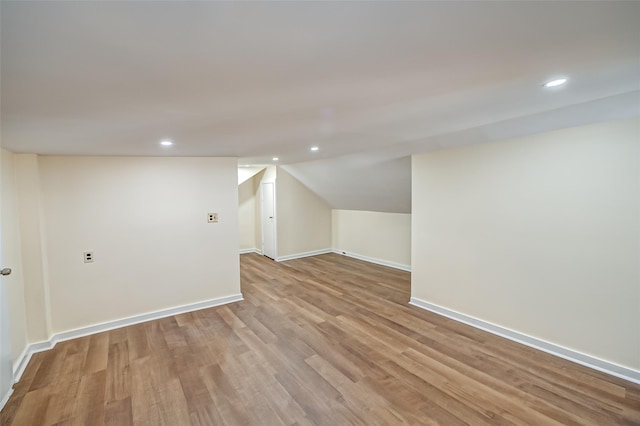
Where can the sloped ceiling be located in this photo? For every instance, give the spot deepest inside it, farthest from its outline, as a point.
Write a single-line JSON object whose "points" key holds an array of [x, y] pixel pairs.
{"points": [[369, 83], [357, 182], [246, 173], [380, 179]]}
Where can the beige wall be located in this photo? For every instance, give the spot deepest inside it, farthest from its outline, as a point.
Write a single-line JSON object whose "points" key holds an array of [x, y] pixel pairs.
{"points": [[247, 214], [250, 204], [145, 221], [12, 257], [269, 174], [249, 210], [33, 247], [385, 237], [303, 219], [539, 234]]}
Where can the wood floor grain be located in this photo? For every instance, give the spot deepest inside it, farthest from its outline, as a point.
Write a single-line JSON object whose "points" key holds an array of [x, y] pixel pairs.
{"points": [[325, 340]]}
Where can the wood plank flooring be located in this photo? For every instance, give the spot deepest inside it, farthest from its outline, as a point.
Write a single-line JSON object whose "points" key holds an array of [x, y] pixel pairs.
{"points": [[326, 340]]}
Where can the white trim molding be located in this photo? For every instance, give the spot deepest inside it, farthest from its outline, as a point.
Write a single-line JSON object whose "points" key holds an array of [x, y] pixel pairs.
{"points": [[5, 399], [595, 363], [33, 348], [374, 260], [21, 363], [301, 255], [250, 250]]}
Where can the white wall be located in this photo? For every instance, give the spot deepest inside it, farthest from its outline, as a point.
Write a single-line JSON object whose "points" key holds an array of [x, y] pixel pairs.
{"points": [[303, 218], [382, 237], [12, 258], [145, 221], [538, 234]]}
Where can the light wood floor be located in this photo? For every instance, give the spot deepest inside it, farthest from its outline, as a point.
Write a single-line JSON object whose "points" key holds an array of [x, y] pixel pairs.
{"points": [[323, 340]]}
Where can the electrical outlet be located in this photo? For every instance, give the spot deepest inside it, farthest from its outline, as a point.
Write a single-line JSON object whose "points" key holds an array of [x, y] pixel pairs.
{"points": [[212, 217], [88, 257]]}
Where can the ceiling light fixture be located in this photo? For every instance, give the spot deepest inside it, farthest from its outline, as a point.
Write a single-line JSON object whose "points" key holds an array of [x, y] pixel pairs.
{"points": [[166, 142], [555, 83], [314, 148], [275, 158]]}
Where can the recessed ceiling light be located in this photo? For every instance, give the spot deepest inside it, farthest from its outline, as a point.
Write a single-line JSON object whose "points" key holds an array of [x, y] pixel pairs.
{"points": [[555, 83], [275, 158], [314, 148], [166, 142]]}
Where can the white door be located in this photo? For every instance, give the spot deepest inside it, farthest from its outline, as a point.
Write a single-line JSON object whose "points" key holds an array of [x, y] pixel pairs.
{"points": [[6, 370], [268, 219]]}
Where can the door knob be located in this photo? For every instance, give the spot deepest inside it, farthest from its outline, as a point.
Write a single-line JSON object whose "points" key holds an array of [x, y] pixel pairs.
{"points": [[5, 271]]}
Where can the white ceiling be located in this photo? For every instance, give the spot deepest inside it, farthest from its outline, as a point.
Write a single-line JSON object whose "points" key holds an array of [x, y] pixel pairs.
{"points": [[369, 83]]}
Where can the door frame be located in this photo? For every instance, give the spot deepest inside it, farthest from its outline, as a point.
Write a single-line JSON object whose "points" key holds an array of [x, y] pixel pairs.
{"points": [[7, 372], [7, 377]]}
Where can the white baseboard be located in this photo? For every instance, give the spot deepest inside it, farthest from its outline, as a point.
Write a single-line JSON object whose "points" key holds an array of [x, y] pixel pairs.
{"points": [[305, 254], [23, 360], [374, 260], [250, 250], [5, 398], [602, 365], [33, 348]]}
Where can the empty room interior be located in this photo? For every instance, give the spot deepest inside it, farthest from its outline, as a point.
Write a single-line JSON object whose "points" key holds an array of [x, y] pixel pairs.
{"points": [[319, 213]]}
